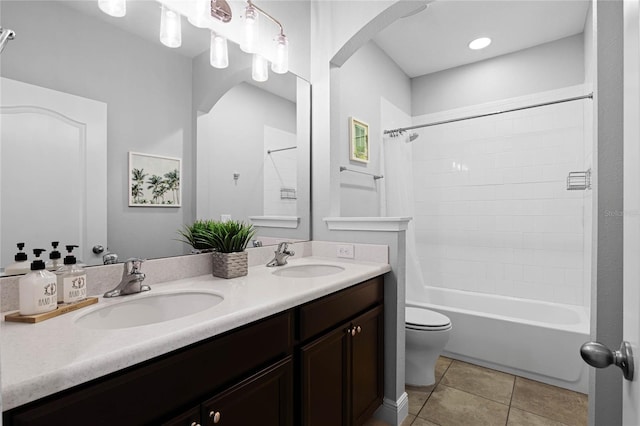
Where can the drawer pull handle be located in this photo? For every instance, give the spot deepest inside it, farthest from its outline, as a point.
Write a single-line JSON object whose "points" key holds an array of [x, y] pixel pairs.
{"points": [[215, 415], [359, 329], [353, 331], [195, 424]]}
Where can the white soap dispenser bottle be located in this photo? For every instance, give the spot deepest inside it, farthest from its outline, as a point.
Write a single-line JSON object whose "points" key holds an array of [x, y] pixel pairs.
{"points": [[38, 288], [21, 265], [72, 279], [55, 258]]}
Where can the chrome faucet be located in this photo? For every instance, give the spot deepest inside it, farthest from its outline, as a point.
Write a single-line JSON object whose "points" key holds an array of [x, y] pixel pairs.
{"points": [[110, 258], [281, 255], [131, 282]]}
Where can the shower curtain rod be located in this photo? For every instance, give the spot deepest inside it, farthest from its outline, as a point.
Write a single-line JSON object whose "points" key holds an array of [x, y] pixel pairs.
{"points": [[395, 132]]}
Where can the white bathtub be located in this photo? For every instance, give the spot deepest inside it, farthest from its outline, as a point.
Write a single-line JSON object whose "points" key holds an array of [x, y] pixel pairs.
{"points": [[537, 340]]}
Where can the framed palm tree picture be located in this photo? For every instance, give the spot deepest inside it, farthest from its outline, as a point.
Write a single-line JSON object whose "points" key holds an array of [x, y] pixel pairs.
{"points": [[359, 135], [154, 181]]}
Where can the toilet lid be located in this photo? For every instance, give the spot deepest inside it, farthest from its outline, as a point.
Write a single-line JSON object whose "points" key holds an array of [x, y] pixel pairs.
{"points": [[425, 318]]}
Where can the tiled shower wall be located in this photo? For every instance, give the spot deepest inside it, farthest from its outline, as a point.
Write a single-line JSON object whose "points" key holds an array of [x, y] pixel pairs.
{"points": [[491, 207]]}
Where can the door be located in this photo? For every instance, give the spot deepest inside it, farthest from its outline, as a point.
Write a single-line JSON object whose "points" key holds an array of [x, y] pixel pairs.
{"points": [[53, 171], [324, 379], [631, 218]]}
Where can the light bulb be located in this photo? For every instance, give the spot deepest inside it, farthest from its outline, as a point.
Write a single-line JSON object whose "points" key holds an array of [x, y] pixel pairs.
{"points": [[116, 8], [281, 63], [170, 29], [201, 13], [260, 68], [250, 29], [218, 53]]}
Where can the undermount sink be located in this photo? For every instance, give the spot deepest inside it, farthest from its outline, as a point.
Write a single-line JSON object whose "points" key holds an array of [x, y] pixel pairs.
{"points": [[308, 271], [149, 309]]}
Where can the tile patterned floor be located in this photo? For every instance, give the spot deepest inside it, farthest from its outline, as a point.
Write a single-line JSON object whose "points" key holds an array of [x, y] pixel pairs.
{"points": [[467, 395]]}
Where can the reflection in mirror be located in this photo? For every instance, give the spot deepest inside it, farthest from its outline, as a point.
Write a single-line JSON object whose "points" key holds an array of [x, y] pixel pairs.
{"points": [[254, 157], [93, 80]]}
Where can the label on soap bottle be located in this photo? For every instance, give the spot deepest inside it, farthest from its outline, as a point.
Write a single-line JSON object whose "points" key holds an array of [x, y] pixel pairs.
{"points": [[49, 298], [74, 288]]}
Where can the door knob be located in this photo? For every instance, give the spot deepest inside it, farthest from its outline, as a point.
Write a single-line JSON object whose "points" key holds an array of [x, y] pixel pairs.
{"points": [[598, 355]]}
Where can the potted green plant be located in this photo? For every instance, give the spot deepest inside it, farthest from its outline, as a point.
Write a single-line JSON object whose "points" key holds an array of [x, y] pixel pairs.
{"points": [[194, 235], [228, 240]]}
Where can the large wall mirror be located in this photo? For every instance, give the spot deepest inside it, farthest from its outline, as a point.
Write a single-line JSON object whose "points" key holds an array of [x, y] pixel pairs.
{"points": [[81, 91]]}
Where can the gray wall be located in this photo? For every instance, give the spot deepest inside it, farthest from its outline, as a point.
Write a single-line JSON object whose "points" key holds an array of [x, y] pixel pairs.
{"points": [[545, 67], [367, 77], [147, 88]]}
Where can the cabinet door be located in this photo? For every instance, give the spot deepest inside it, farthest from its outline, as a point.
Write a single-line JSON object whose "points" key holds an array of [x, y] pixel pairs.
{"points": [[324, 379], [367, 369], [264, 399], [188, 418]]}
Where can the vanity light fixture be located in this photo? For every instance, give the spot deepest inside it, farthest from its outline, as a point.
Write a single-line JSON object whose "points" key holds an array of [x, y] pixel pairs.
{"points": [[479, 43], [170, 28], [281, 63], [200, 13], [204, 10], [115, 8], [218, 51], [250, 29], [260, 68]]}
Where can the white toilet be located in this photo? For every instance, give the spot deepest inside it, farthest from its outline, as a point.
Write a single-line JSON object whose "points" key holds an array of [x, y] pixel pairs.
{"points": [[427, 332]]}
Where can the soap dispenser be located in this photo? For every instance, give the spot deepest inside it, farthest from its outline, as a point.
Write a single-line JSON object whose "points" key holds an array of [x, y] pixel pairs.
{"points": [[55, 258], [71, 279], [20, 266], [38, 288]]}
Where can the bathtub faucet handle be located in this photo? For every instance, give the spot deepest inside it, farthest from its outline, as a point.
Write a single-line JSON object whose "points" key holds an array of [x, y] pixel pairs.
{"points": [[598, 355]]}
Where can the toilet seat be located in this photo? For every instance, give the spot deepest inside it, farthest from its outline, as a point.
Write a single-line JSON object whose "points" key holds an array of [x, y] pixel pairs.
{"points": [[424, 319]]}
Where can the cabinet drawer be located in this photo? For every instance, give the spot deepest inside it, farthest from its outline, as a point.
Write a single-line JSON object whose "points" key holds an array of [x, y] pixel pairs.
{"points": [[156, 389], [321, 315]]}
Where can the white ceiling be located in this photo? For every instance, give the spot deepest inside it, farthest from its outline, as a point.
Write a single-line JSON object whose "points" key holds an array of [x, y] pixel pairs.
{"points": [[437, 38]]}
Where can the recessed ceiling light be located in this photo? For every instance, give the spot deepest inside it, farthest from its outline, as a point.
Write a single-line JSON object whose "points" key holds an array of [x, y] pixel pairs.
{"points": [[480, 43]]}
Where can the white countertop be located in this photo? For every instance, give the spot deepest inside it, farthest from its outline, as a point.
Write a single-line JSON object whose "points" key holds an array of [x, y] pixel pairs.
{"points": [[41, 359]]}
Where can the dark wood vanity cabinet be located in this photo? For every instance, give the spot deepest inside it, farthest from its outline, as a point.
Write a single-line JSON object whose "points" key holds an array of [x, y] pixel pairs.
{"points": [[341, 370], [317, 364]]}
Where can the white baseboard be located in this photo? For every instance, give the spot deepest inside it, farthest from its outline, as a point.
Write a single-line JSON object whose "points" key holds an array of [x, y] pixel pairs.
{"points": [[393, 412]]}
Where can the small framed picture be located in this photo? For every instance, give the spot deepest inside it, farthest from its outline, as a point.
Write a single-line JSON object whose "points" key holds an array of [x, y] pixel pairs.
{"points": [[154, 181], [359, 136]]}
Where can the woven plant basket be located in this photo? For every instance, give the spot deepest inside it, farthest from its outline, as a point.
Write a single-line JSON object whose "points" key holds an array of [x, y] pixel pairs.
{"points": [[230, 265]]}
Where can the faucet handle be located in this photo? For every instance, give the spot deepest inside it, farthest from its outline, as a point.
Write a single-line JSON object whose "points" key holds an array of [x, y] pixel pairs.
{"points": [[283, 247], [134, 265]]}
